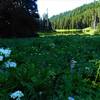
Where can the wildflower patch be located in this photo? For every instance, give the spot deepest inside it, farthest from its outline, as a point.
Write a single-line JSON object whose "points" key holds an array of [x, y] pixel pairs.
{"points": [[5, 58]]}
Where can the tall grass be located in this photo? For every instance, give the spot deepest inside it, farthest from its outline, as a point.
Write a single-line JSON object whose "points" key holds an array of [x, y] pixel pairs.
{"points": [[43, 68]]}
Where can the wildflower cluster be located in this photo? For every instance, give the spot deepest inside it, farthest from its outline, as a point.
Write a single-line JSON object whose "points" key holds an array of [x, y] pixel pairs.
{"points": [[6, 62], [4, 57], [17, 95], [5, 52]]}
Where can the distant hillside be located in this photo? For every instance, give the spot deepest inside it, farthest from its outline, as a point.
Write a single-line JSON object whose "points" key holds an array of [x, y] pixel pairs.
{"points": [[78, 18]]}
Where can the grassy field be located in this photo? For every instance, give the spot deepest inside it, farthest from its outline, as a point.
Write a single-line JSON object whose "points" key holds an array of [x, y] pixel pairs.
{"points": [[65, 32], [43, 68], [85, 31], [68, 30]]}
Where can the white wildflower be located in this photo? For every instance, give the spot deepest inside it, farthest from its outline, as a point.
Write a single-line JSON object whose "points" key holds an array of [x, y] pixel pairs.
{"points": [[1, 58], [71, 98], [17, 95], [72, 63], [87, 68], [72, 70], [1, 50], [40, 93], [5, 52], [9, 64]]}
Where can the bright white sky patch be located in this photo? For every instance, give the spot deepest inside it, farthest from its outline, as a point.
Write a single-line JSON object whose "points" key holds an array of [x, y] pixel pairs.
{"points": [[57, 6]]}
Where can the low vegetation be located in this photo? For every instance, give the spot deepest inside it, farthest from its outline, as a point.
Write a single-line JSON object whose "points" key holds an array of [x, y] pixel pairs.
{"points": [[44, 68]]}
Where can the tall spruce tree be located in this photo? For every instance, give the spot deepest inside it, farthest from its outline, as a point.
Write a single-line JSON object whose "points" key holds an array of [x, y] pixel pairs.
{"points": [[45, 24]]}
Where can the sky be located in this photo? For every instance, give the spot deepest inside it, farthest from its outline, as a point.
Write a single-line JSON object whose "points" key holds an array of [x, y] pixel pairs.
{"points": [[58, 6]]}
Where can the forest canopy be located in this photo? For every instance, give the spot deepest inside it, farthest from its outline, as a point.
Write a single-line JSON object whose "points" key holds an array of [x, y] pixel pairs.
{"points": [[78, 18]]}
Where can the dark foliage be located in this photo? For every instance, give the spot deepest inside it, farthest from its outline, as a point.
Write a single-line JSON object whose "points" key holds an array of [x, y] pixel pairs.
{"points": [[18, 18], [45, 24]]}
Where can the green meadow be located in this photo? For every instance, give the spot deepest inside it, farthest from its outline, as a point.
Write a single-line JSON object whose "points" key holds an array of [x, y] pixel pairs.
{"points": [[84, 31], [43, 68], [49, 57]]}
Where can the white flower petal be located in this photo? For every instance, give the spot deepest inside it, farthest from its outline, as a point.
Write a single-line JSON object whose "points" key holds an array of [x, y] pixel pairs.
{"points": [[1, 50], [1, 58], [71, 98], [18, 99], [5, 52], [17, 94], [9, 64]]}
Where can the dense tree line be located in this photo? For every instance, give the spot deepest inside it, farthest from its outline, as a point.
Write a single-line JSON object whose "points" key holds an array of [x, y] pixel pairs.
{"points": [[78, 18], [18, 18], [45, 24]]}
